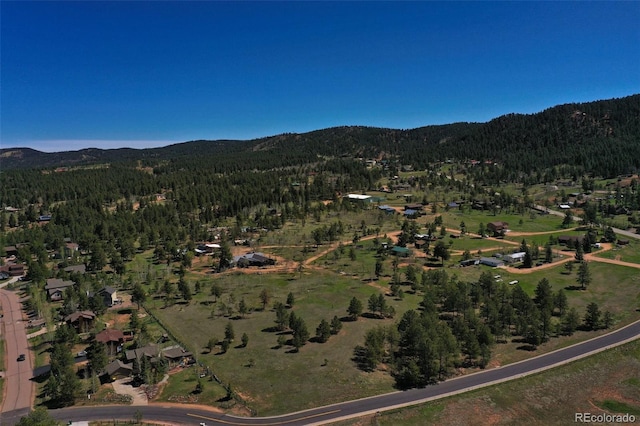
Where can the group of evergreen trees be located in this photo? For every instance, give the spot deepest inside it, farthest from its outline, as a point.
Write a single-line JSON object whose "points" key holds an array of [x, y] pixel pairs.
{"points": [[459, 323]]}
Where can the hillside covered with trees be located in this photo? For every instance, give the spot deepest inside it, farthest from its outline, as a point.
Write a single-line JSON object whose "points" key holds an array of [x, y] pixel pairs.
{"points": [[597, 138]]}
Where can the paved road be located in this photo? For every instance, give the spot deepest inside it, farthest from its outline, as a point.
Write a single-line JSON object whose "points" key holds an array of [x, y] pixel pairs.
{"points": [[350, 409], [18, 388]]}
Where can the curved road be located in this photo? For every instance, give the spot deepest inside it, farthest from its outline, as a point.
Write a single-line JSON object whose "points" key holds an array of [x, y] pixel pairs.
{"points": [[350, 409], [18, 388]]}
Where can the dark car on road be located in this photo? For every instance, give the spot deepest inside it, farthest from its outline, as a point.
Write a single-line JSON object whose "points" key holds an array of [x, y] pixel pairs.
{"points": [[21, 357]]}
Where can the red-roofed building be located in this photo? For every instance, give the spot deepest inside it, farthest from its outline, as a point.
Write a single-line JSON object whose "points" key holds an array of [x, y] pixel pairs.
{"points": [[114, 339]]}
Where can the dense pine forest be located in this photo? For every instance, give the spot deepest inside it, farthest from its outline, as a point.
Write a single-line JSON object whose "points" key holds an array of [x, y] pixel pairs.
{"points": [[598, 138]]}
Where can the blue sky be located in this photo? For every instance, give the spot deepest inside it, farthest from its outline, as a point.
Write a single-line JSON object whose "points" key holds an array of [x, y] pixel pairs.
{"points": [[140, 74]]}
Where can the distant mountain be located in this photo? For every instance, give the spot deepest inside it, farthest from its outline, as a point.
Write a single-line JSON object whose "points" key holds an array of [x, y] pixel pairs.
{"points": [[601, 137]]}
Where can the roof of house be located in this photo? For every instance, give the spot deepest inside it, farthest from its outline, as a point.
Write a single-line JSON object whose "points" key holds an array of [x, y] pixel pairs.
{"points": [[498, 223], [79, 314], [56, 283], [491, 261], [358, 197], [399, 249], [110, 335], [253, 256], [176, 353], [518, 255], [76, 268], [116, 365], [150, 351], [107, 290]]}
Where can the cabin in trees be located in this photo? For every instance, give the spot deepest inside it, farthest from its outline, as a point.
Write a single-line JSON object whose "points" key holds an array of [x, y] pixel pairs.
{"points": [[82, 321], [415, 206], [498, 228], [113, 339], [151, 352], [570, 240], [176, 355], [401, 251], [514, 257], [207, 249], [115, 370], [253, 259], [55, 288], [411, 214], [70, 248], [108, 295], [12, 270], [387, 209], [76, 269], [10, 251]]}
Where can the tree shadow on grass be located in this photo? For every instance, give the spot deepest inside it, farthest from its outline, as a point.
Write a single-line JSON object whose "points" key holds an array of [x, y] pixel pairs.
{"points": [[527, 347], [574, 287]]}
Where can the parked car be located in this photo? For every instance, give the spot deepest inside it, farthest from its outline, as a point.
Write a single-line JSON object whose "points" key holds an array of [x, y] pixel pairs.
{"points": [[21, 357], [82, 353]]}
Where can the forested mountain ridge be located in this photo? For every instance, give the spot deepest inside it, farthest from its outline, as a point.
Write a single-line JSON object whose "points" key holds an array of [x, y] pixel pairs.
{"points": [[600, 138]]}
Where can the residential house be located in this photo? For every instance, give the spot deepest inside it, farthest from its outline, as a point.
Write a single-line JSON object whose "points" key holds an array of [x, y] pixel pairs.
{"points": [[570, 240], [151, 352], [253, 259], [387, 209], [498, 228], [514, 257], [70, 249], [207, 248], [414, 206], [109, 296], [12, 269], [401, 251], [176, 355], [469, 262], [410, 213], [359, 198], [82, 321], [117, 369], [113, 339], [76, 269], [420, 244], [10, 251], [491, 261], [55, 288]]}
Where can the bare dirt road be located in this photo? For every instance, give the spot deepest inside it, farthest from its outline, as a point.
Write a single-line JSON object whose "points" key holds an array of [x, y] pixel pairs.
{"points": [[18, 388]]}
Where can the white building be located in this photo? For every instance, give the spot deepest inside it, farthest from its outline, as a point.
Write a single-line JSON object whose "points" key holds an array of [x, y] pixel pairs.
{"points": [[514, 257]]}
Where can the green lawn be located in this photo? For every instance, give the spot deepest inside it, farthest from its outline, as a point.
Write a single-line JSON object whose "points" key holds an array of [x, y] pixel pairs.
{"points": [[626, 253], [531, 222]]}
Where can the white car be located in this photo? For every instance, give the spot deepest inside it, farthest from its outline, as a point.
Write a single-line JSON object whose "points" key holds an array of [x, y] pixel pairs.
{"points": [[82, 353]]}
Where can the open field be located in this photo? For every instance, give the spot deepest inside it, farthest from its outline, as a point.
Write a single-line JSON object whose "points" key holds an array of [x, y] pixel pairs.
{"points": [[603, 383], [262, 371], [626, 253], [528, 222]]}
